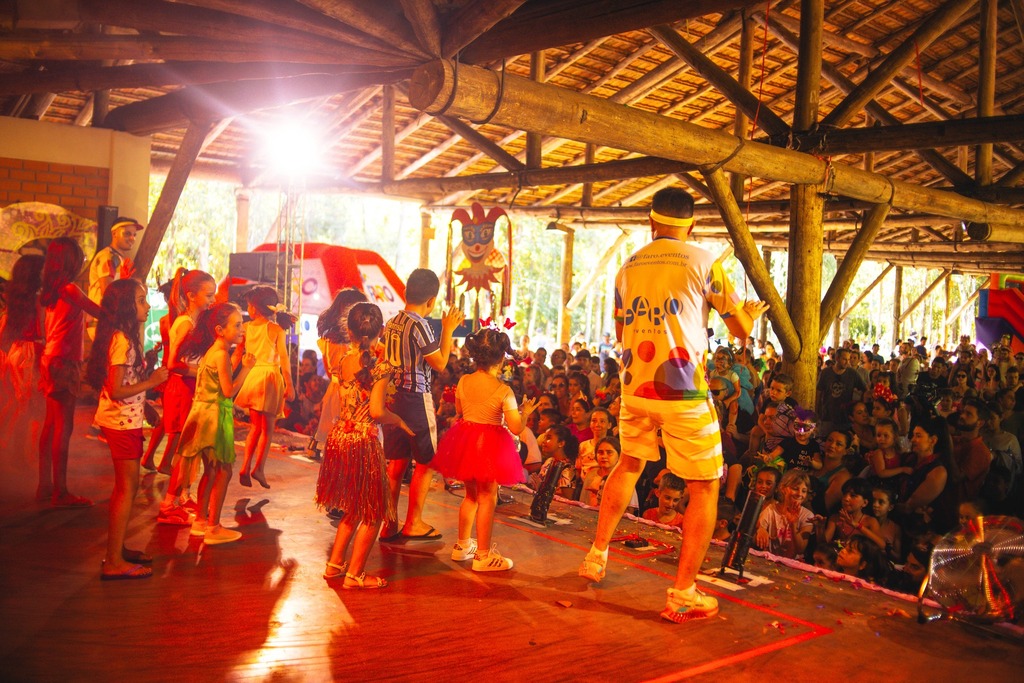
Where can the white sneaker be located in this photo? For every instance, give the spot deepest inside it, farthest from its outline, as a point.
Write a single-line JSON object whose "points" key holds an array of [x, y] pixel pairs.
{"points": [[467, 552], [592, 568], [198, 527], [680, 609], [491, 562]]}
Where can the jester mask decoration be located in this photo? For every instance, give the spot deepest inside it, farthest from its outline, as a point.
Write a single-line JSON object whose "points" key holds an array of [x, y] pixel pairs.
{"points": [[476, 261]]}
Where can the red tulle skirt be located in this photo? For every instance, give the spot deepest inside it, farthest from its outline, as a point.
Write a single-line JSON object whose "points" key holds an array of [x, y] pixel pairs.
{"points": [[471, 451]]}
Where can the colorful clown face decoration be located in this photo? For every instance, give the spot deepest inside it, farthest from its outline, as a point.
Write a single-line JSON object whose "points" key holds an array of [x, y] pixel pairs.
{"points": [[476, 260]]}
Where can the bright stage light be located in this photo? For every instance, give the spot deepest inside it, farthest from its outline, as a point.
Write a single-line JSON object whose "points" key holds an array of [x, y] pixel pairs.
{"points": [[293, 151]]}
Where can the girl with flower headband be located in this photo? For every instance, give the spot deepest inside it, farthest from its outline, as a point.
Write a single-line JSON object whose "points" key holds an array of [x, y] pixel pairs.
{"points": [[269, 384]]}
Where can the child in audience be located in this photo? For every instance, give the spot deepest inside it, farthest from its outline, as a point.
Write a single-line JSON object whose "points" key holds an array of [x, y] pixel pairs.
{"points": [[825, 556], [61, 368], [883, 502], [600, 423], [852, 518], [670, 493], [801, 450], [785, 526], [209, 430], [115, 370], [559, 444], [608, 450], [885, 460], [861, 557]]}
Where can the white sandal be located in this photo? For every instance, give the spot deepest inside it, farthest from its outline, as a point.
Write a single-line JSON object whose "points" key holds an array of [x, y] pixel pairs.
{"points": [[342, 571], [360, 582]]}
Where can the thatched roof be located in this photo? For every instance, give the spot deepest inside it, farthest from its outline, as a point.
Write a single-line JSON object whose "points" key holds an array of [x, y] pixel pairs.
{"points": [[329, 63]]}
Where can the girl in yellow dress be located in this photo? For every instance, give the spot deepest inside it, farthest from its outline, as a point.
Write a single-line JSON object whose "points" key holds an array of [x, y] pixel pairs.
{"points": [[269, 384]]}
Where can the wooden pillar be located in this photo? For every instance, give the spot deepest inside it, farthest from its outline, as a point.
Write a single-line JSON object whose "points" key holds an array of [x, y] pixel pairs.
{"points": [[947, 300], [534, 152], [897, 305], [803, 293], [427, 233], [565, 317], [743, 77], [588, 188], [835, 321], [766, 255], [387, 136], [241, 220], [986, 84], [168, 201]]}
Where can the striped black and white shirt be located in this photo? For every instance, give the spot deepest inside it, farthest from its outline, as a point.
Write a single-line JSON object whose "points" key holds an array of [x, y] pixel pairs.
{"points": [[407, 340]]}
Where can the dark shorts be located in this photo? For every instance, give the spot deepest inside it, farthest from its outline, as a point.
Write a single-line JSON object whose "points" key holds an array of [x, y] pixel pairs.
{"points": [[125, 444], [59, 375], [418, 412]]}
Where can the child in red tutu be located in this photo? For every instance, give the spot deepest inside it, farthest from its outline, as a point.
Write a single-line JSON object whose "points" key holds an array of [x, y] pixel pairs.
{"points": [[479, 450]]}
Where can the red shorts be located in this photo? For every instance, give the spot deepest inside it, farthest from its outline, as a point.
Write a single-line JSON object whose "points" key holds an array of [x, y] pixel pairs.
{"points": [[125, 444]]}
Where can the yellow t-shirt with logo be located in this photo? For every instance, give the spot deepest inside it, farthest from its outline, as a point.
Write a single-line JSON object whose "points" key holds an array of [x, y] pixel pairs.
{"points": [[663, 295]]}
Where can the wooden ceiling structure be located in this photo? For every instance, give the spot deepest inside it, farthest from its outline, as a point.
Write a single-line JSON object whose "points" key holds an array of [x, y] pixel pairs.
{"points": [[879, 129]]}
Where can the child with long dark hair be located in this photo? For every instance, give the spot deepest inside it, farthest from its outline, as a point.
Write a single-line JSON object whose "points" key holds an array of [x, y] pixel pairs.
{"points": [[61, 368], [209, 430], [22, 407], [116, 370], [332, 326], [353, 475], [269, 384], [479, 450], [192, 292]]}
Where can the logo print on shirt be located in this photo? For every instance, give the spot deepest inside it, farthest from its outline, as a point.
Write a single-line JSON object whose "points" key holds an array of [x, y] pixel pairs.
{"points": [[640, 307]]}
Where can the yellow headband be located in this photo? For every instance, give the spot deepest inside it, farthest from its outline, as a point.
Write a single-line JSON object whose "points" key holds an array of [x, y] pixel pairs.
{"points": [[671, 220]]}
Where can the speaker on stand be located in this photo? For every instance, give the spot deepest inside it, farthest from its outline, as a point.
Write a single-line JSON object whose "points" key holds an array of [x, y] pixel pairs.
{"points": [[105, 217]]}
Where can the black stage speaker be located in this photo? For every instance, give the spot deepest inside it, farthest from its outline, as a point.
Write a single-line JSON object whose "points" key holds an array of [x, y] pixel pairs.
{"points": [[262, 267], [105, 217]]}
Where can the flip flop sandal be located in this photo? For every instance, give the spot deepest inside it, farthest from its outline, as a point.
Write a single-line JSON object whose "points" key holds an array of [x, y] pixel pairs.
{"points": [[136, 556], [136, 571], [362, 584]]}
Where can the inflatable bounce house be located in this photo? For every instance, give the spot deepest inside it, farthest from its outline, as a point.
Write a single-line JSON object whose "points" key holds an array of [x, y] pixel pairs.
{"points": [[325, 269], [1001, 311]]}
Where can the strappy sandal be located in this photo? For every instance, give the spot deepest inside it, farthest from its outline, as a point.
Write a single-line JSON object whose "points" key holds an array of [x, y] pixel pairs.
{"points": [[361, 582], [342, 570]]}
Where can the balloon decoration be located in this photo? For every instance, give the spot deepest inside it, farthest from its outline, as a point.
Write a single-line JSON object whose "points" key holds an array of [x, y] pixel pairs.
{"points": [[27, 227], [477, 264]]}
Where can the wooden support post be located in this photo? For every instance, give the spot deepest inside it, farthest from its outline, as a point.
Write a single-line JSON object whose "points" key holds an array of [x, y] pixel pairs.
{"points": [[242, 220], [534, 153], [598, 271], [897, 306], [756, 270], [803, 293], [743, 78], [833, 321], [560, 113], [587, 199], [831, 305], [947, 299], [427, 233], [763, 327], [387, 135], [924, 295], [987, 47], [565, 315], [168, 201]]}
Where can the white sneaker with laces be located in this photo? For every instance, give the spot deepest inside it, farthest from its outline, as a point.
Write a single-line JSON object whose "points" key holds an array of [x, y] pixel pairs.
{"points": [[467, 552], [491, 562]]}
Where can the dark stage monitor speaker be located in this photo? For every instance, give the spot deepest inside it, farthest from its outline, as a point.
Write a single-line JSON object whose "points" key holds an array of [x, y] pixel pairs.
{"points": [[264, 267], [105, 217]]}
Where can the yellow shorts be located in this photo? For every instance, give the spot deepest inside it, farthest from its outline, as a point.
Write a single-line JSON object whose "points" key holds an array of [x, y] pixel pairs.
{"points": [[689, 431]]}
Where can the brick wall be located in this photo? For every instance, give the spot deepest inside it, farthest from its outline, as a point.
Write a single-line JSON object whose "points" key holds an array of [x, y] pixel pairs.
{"points": [[82, 189]]}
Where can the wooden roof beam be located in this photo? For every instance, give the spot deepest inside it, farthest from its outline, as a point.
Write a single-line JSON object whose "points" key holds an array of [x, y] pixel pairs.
{"points": [[473, 20], [373, 19], [743, 99], [936, 24], [220, 100], [541, 24], [425, 24], [63, 47], [590, 119]]}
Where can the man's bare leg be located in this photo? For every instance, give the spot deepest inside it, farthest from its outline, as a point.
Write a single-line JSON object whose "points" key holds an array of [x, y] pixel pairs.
{"points": [[618, 491], [419, 487], [698, 525]]}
